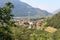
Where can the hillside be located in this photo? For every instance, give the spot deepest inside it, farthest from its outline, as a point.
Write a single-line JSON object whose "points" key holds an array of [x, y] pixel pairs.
{"points": [[54, 21]]}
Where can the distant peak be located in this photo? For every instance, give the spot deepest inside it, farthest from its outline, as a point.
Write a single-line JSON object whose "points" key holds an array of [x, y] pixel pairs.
{"points": [[56, 11]]}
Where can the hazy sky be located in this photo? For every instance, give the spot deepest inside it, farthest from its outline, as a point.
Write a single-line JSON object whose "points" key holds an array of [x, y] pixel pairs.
{"points": [[49, 5]]}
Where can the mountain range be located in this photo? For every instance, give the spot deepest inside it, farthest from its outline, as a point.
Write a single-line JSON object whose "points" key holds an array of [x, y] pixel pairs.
{"points": [[22, 9], [56, 11]]}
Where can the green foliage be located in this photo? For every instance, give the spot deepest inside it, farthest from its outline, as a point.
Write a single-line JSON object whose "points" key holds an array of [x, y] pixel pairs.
{"points": [[5, 36], [5, 15], [6, 21], [54, 21], [23, 33]]}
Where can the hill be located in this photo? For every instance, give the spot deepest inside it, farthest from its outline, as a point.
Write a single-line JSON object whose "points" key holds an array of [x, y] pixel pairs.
{"points": [[54, 21]]}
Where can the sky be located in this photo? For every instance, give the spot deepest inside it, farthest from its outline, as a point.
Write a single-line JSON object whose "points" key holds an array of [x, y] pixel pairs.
{"points": [[49, 5]]}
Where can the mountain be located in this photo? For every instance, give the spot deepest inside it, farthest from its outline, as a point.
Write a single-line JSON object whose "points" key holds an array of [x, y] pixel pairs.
{"points": [[56, 11], [22, 9]]}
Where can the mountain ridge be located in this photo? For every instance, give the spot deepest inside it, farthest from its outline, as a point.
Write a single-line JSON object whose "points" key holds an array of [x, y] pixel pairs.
{"points": [[22, 9], [56, 11]]}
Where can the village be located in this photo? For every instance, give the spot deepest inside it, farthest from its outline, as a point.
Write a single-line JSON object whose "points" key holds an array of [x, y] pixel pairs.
{"points": [[30, 23], [35, 24]]}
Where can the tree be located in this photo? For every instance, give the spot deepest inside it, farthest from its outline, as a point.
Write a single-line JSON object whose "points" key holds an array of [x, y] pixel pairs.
{"points": [[5, 14], [6, 21]]}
